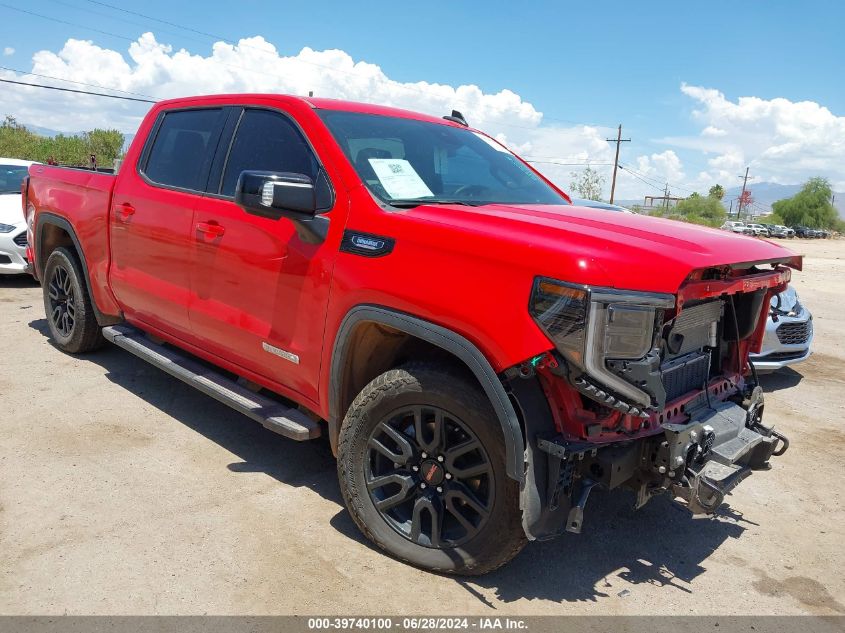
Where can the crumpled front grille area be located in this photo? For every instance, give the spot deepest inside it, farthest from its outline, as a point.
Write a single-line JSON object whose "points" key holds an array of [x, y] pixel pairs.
{"points": [[685, 374]]}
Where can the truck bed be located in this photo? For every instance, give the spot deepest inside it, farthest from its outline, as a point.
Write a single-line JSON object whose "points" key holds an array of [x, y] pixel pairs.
{"points": [[83, 198]]}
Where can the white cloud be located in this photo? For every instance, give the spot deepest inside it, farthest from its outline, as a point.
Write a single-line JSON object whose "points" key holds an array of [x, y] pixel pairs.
{"points": [[8, 51], [254, 65], [157, 70], [782, 141]]}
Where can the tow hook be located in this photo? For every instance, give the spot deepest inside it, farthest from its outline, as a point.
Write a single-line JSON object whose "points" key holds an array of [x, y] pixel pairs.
{"points": [[783, 440], [576, 514]]}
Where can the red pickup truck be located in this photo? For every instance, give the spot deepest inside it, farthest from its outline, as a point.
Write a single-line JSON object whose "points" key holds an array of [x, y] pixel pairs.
{"points": [[479, 352]]}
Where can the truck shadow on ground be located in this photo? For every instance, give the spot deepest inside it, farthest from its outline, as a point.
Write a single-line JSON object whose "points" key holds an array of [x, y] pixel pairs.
{"points": [[661, 544], [781, 379], [309, 464]]}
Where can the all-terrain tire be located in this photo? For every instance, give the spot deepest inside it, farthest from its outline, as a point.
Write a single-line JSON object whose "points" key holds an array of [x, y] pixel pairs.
{"points": [[467, 412], [67, 304]]}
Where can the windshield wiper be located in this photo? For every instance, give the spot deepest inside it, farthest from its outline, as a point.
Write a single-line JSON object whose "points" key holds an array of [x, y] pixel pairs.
{"points": [[407, 203]]}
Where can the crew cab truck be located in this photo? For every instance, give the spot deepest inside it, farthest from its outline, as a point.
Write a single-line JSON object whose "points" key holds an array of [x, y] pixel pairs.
{"points": [[479, 352]]}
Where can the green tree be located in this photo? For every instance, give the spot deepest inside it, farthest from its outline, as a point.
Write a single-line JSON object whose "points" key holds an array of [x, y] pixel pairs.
{"points": [[809, 207], [587, 184], [701, 210], [16, 141], [716, 191], [105, 144]]}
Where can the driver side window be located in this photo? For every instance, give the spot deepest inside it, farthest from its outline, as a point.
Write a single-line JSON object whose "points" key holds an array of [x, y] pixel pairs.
{"points": [[267, 141]]}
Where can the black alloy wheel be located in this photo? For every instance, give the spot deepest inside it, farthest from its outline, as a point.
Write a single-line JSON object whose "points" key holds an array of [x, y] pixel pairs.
{"points": [[70, 314], [422, 468], [62, 301], [429, 476]]}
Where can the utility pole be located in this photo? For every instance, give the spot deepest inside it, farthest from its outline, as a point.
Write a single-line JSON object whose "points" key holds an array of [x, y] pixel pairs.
{"points": [[666, 196], [744, 183], [618, 140], [731, 210]]}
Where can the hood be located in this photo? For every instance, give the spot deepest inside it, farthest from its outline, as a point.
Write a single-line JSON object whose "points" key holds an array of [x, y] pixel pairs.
{"points": [[597, 247], [10, 208]]}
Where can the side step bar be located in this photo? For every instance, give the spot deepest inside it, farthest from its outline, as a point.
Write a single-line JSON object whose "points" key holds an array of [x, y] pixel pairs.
{"points": [[272, 414]]}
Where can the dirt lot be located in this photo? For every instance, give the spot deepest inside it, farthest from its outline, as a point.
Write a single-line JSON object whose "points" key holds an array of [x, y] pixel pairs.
{"points": [[124, 492]]}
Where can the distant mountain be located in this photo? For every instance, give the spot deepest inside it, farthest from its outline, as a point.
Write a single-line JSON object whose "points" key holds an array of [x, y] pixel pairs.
{"points": [[45, 131], [764, 194]]}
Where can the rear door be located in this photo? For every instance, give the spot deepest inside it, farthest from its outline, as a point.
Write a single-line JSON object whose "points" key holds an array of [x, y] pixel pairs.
{"points": [[260, 292], [151, 220]]}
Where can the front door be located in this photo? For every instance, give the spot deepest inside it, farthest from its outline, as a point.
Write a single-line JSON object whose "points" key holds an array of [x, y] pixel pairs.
{"points": [[259, 293]]}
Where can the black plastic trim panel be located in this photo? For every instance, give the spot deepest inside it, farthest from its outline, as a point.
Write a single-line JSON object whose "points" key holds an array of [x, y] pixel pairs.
{"points": [[366, 244]]}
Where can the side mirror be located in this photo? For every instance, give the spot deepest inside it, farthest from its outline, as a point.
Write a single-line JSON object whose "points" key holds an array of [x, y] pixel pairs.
{"points": [[276, 195]]}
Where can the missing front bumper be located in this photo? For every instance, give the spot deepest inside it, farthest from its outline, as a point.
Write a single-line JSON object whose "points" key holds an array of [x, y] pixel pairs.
{"points": [[709, 456], [698, 463]]}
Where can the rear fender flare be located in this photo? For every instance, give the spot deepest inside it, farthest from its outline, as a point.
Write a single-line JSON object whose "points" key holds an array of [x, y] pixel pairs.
{"points": [[45, 218]]}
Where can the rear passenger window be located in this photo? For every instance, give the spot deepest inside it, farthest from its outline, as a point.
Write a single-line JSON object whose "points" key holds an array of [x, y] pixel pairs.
{"points": [[183, 148], [267, 141]]}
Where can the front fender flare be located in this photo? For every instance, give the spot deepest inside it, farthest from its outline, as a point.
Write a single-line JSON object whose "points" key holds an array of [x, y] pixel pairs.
{"points": [[451, 342]]}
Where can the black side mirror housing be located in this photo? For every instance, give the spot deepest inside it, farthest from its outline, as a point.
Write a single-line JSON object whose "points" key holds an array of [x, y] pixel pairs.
{"points": [[276, 195]]}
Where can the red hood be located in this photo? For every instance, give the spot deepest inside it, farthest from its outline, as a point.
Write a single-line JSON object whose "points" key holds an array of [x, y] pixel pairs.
{"points": [[598, 247]]}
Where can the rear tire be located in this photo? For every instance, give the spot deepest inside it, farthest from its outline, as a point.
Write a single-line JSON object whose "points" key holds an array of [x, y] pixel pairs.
{"points": [[423, 444], [70, 315]]}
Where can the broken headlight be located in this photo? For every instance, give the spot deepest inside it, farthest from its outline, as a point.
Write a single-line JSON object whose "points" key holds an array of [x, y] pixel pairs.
{"points": [[591, 326]]}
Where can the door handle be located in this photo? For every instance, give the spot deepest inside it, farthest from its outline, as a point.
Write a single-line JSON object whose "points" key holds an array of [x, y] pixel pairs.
{"points": [[124, 211], [210, 228]]}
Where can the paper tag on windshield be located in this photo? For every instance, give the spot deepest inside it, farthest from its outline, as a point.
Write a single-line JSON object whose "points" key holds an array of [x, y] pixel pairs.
{"points": [[399, 179]]}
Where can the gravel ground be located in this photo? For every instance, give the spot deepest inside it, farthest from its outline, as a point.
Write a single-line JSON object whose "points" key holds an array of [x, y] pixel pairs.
{"points": [[123, 491]]}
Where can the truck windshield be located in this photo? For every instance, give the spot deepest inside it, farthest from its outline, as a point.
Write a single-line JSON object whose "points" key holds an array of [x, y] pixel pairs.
{"points": [[11, 177], [406, 162]]}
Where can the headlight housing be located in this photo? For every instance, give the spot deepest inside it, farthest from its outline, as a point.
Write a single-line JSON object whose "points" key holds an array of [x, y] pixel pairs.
{"points": [[590, 326], [7, 228]]}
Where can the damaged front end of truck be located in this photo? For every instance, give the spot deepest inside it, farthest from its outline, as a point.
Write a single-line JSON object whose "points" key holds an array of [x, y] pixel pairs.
{"points": [[651, 392]]}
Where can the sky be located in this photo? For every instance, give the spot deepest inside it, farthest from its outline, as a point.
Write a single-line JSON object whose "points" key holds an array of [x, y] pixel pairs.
{"points": [[703, 90]]}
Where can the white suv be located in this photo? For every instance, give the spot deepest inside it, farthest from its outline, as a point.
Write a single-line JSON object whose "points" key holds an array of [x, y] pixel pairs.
{"points": [[759, 229], [737, 227]]}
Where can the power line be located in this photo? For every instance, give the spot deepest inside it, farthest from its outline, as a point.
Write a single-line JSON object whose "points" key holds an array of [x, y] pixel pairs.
{"points": [[124, 20], [231, 42], [619, 140], [552, 162], [82, 92], [65, 22], [71, 81], [642, 178], [149, 17]]}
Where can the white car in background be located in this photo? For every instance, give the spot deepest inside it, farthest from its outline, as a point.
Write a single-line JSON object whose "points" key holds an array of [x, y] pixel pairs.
{"points": [[759, 230], [737, 227], [789, 333], [12, 223]]}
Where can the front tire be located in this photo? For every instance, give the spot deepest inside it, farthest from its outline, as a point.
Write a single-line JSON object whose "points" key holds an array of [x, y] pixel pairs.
{"points": [[70, 315], [421, 464]]}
